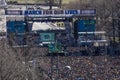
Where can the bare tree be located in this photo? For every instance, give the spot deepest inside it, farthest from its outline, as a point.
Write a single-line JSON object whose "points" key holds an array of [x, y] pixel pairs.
{"points": [[106, 10]]}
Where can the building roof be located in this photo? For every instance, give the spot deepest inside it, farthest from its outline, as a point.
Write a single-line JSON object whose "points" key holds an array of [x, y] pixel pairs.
{"points": [[45, 26]]}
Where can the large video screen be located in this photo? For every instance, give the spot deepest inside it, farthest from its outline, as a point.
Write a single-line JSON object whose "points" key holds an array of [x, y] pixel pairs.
{"points": [[86, 26], [47, 37], [16, 26]]}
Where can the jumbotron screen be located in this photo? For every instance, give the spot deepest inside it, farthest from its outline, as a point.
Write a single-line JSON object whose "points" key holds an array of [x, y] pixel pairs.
{"points": [[47, 37]]}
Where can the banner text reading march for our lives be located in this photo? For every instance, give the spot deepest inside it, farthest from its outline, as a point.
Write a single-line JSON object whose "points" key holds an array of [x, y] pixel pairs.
{"points": [[51, 12]]}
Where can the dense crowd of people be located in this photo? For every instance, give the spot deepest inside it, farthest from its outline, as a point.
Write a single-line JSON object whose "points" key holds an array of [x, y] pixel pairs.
{"points": [[87, 68]]}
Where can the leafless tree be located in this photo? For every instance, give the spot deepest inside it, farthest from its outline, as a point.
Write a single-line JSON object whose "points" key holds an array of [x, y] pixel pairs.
{"points": [[106, 11]]}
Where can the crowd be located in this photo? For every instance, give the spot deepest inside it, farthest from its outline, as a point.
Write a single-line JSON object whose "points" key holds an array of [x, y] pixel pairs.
{"points": [[87, 68]]}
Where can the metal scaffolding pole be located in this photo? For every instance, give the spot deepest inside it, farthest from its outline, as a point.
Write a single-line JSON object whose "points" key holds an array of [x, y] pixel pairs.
{"points": [[50, 4], [60, 3], [119, 26]]}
